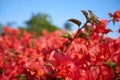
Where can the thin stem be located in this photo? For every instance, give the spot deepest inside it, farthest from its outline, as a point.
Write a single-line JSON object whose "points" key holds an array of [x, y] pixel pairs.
{"points": [[76, 35], [116, 75]]}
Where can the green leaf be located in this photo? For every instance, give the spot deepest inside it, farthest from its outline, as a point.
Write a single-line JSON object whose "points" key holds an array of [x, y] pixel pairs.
{"points": [[66, 35], [77, 22], [32, 44], [92, 15], [104, 40], [49, 64], [97, 22], [89, 30], [58, 51], [85, 14], [83, 35], [21, 77], [7, 60], [93, 18], [111, 64]]}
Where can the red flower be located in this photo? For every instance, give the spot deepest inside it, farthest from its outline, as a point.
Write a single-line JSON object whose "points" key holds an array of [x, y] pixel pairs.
{"points": [[115, 16], [102, 28], [64, 66], [6, 29]]}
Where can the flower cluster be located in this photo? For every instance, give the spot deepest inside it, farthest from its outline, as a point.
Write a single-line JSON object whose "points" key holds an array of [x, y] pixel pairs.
{"points": [[91, 56], [115, 16]]}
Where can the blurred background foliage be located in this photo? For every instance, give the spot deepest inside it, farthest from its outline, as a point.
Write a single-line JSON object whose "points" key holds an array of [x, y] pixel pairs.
{"points": [[18, 13], [37, 23]]}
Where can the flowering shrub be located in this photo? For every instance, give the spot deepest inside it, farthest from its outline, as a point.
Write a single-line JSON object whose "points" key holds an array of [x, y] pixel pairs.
{"points": [[83, 55]]}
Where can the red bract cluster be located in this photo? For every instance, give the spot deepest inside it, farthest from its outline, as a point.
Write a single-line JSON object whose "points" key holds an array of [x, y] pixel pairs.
{"points": [[24, 57], [102, 28], [115, 16]]}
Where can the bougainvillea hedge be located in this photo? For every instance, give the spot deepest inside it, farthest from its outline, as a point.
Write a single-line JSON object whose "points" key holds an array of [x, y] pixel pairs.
{"points": [[60, 55]]}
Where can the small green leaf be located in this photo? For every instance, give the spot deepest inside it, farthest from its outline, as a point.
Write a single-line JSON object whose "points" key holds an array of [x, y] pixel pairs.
{"points": [[77, 22], [58, 51], [111, 64], [32, 44], [92, 15], [66, 35], [85, 14], [21, 77], [7, 60], [97, 22], [104, 40], [13, 51], [93, 18], [49, 64], [89, 30], [83, 35]]}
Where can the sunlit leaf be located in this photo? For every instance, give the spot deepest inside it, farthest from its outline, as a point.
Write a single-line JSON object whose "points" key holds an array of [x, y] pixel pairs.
{"points": [[111, 64], [49, 64], [58, 51], [83, 35], [92, 15], [104, 40], [21, 77], [85, 14], [7, 60], [89, 30], [97, 22], [77, 22], [52, 72], [66, 35]]}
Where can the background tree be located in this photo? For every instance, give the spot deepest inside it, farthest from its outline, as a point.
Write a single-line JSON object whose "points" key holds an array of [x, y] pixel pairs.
{"points": [[40, 22]]}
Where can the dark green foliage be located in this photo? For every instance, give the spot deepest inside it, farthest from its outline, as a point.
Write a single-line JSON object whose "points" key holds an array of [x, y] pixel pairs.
{"points": [[85, 14], [77, 22], [89, 30], [40, 22], [111, 65], [21, 77], [82, 35], [66, 35]]}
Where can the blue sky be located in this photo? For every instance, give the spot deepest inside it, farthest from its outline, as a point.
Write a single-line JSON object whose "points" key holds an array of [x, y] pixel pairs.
{"points": [[20, 11]]}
